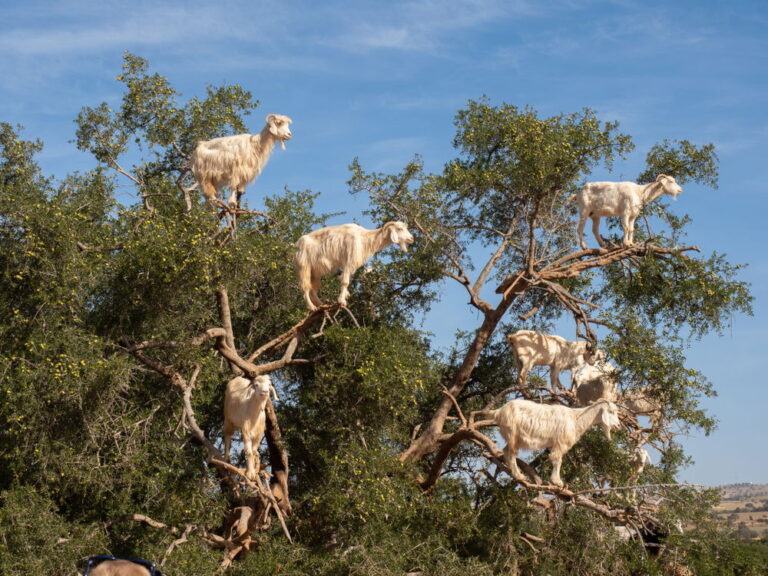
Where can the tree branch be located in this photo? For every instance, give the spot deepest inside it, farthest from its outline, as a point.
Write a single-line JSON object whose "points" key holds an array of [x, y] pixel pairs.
{"points": [[488, 268], [222, 299], [432, 439]]}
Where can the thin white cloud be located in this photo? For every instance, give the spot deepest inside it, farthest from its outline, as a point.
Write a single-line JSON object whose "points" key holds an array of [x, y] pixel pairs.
{"points": [[649, 29], [424, 25], [91, 29]]}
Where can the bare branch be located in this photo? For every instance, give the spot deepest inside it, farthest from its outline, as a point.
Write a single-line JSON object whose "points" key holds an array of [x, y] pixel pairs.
{"points": [[456, 406], [296, 330], [222, 299], [86, 248], [460, 275], [637, 487], [602, 257], [181, 540], [488, 268], [143, 519]]}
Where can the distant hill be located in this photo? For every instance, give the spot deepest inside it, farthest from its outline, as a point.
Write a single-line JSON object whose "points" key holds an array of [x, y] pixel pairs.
{"points": [[744, 490], [745, 508]]}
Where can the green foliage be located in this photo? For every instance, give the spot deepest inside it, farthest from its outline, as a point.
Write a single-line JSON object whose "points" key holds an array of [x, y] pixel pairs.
{"points": [[36, 539], [365, 387], [680, 292], [656, 364], [515, 164], [682, 160], [19, 173], [89, 436], [413, 275], [710, 553]]}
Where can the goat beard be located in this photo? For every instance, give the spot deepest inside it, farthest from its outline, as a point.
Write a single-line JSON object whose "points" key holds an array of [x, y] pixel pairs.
{"points": [[282, 144]]}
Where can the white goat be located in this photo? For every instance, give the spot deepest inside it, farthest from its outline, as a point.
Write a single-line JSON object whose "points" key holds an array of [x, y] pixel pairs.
{"points": [[345, 247], [245, 402], [235, 161], [595, 382], [639, 460], [623, 199], [527, 425], [535, 349]]}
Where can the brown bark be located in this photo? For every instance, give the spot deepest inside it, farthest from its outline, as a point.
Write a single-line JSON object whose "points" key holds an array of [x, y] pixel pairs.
{"points": [[222, 298], [430, 439]]}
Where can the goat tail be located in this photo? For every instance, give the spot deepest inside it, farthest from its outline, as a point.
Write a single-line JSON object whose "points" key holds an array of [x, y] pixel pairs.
{"points": [[482, 415], [512, 340], [303, 266]]}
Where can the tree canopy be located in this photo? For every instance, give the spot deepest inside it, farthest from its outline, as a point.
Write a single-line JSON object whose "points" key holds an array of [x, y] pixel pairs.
{"points": [[121, 323]]}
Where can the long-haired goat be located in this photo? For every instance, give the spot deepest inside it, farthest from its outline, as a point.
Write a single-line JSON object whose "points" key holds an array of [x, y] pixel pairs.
{"points": [[623, 199], [345, 247], [244, 404], [535, 349], [235, 161], [527, 425]]}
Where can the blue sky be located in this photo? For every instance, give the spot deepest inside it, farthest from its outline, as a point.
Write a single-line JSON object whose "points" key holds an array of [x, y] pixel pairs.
{"points": [[382, 81]]}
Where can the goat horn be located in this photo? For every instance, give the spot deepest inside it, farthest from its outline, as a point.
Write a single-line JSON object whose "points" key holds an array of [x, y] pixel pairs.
{"points": [[268, 117]]}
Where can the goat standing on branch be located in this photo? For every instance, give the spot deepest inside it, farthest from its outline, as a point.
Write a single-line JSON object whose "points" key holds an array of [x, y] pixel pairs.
{"points": [[623, 199], [235, 161], [346, 248], [535, 349], [244, 407], [527, 425]]}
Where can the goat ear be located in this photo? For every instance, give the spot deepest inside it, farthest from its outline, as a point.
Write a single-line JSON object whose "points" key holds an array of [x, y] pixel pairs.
{"points": [[393, 233], [661, 177]]}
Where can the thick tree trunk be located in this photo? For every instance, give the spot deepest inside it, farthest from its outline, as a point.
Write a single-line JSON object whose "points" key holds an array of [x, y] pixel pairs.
{"points": [[430, 439]]}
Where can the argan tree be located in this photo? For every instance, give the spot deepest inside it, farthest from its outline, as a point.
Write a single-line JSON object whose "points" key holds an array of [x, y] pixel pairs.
{"points": [[121, 324]]}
